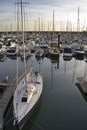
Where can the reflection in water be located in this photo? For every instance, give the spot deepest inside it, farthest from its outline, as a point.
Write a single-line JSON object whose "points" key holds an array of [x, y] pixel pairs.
{"points": [[40, 70], [68, 106], [66, 59], [3, 58], [26, 58], [54, 65], [12, 57], [74, 71], [81, 57], [65, 68], [39, 58], [85, 70], [55, 61], [51, 75]]}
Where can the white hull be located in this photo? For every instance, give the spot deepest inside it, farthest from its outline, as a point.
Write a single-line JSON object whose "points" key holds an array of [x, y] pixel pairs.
{"points": [[22, 107], [11, 52], [79, 52], [68, 54], [3, 51]]}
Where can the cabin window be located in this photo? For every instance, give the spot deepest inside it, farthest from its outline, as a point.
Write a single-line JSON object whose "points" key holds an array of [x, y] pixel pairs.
{"points": [[67, 50], [24, 99], [37, 82]]}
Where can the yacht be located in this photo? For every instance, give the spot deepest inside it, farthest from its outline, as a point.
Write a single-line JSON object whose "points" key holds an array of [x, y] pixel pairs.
{"points": [[28, 89]]}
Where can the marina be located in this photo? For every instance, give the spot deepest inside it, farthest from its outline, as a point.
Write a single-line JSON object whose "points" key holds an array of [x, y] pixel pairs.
{"points": [[43, 65], [61, 101]]}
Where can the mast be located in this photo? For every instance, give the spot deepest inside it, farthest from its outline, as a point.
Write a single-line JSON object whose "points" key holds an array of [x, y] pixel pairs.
{"points": [[17, 29], [53, 25], [53, 21], [22, 18], [39, 28], [22, 27], [67, 26], [78, 21], [17, 41]]}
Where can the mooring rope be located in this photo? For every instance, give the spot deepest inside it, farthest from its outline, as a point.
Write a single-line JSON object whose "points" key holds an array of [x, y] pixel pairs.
{"points": [[5, 124], [39, 126]]}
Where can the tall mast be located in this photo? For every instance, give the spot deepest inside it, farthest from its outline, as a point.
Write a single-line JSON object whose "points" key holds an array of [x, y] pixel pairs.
{"points": [[22, 18], [78, 21], [67, 26], [22, 26], [39, 22], [53, 21], [17, 29], [17, 20], [53, 25]]}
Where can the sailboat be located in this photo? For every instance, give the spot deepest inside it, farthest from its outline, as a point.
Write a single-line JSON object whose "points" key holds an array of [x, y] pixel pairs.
{"points": [[54, 46], [28, 91]]}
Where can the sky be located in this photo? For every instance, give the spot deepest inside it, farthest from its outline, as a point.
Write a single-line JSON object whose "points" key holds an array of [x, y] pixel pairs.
{"points": [[66, 11]]}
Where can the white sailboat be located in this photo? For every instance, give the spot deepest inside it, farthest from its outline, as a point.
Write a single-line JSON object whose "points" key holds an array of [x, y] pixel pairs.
{"points": [[3, 49], [53, 48], [27, 92], [67, 53]]}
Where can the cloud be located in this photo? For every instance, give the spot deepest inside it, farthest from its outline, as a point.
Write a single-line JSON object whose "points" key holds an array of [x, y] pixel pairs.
{"points": [[7, 13], [64, 9]]}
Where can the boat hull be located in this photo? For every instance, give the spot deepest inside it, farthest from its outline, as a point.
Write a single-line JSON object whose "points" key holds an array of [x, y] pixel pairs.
{"points": [[53, 54], [67, 58], [23, 121], [23, 109], [3, 52]]}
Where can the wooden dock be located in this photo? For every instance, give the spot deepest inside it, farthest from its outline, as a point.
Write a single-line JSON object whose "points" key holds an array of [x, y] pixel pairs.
{"points": [[83, 85], [5, 100]]}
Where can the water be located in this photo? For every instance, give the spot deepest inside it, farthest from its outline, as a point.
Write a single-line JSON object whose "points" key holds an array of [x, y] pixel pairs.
{"points": [[62, 105]]}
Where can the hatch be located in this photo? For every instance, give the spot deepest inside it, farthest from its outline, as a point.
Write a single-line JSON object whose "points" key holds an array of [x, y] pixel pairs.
{"points": [[24, 99]]}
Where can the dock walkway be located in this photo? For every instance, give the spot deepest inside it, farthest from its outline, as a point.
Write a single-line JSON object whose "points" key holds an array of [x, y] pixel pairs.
{"points": [[5, 100], [83, 85]]}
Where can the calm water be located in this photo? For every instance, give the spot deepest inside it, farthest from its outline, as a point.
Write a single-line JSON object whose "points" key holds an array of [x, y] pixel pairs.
{"points": [[62, 105]]}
